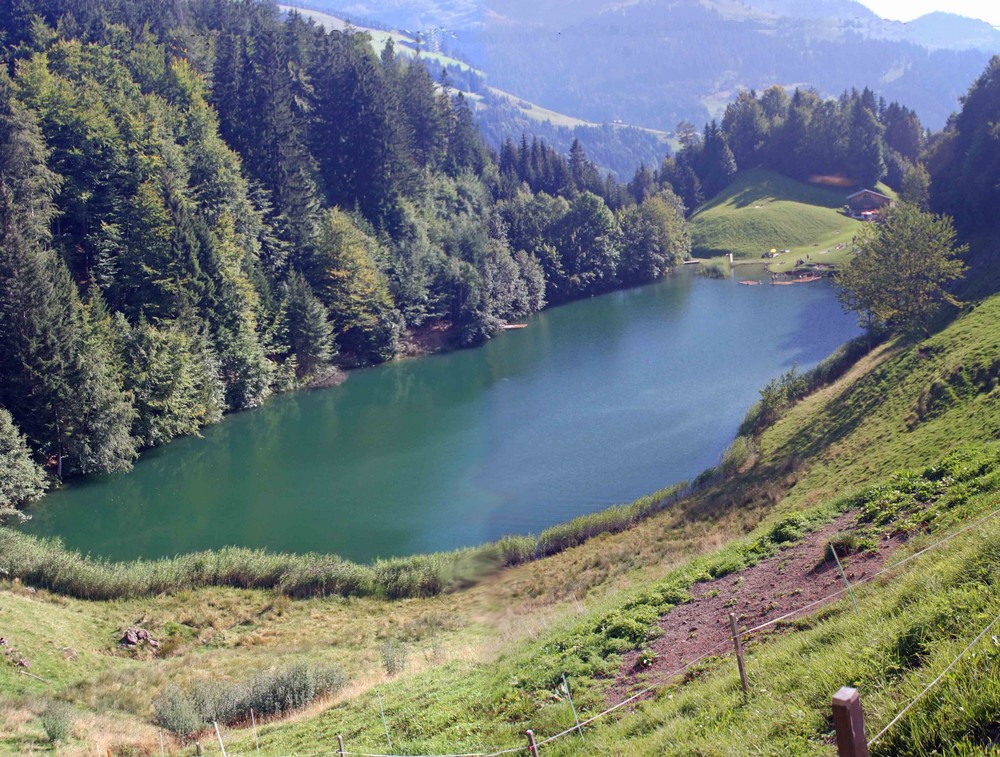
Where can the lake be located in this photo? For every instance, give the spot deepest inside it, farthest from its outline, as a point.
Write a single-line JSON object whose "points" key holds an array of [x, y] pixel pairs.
{"points": [[594, 403]]}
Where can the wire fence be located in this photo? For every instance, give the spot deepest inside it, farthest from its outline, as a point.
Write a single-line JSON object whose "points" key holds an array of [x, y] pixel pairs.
{"points": [[668, 678], [933, 683], [867, 579]]}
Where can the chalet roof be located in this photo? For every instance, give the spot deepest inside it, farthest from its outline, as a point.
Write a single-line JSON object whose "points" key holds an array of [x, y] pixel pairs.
{"points": [[870, 192]]}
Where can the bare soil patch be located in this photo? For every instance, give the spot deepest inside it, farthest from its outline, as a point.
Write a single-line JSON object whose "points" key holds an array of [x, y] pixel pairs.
{"points": [[796, 576], [432, 338]]}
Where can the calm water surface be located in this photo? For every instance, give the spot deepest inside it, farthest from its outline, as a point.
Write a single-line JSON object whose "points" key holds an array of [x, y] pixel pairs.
{"points": [[595, 403]]}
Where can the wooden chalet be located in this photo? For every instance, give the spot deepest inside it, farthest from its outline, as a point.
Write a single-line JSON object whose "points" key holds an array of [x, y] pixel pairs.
{"points": [[866, 204]]}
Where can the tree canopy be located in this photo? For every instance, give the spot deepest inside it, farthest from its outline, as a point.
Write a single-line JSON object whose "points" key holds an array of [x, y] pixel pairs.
{"points": [[904, 264], [207, 202]]}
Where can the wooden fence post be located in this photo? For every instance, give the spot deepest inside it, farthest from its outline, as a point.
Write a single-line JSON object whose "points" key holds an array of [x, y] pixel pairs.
{"points": [[849, 721], [197, 748], [340, 745], [532, 746], [739, 653]]}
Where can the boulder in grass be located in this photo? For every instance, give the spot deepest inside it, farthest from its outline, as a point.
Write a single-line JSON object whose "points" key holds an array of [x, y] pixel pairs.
{"points": [[133, 637]]}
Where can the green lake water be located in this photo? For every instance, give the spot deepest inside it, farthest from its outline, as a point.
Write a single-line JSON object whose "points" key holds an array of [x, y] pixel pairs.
{"points": [[595, 403]]}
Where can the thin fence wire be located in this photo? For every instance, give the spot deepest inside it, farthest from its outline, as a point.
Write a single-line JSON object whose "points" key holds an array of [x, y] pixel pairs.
{"points": [[521, 749], [649, 690], [933, 683], [872, 577], [717, 649]]}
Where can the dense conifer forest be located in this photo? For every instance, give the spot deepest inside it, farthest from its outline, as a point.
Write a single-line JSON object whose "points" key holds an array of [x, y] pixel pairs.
{"points": [[203, 203]]}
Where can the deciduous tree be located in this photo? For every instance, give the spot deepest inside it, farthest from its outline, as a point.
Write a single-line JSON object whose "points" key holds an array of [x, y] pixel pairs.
{"points": [[903, 267]]}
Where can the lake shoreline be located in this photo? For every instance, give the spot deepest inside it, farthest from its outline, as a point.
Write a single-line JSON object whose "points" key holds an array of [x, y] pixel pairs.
{"points": [[573, 414]]}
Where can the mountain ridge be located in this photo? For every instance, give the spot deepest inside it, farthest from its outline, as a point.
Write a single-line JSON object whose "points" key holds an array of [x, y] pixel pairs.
{"points": [[653, 63]]}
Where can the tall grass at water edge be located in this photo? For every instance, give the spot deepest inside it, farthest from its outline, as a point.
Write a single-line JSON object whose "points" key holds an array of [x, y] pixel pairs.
{"points": [[715, 268], [46, 563]]}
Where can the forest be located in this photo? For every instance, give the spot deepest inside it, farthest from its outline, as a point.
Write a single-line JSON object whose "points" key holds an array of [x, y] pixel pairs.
{"points": [[206, 203], [853, 140]]}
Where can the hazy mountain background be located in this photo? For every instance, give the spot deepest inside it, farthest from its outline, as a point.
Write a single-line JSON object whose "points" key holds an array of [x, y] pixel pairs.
{"points": [[653, 63]]}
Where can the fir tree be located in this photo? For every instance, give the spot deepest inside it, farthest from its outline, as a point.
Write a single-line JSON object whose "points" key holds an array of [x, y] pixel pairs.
{"points": [[21, 479], [310, 334]]}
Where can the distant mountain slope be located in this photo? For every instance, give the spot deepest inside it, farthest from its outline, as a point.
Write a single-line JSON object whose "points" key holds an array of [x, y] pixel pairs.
{"points": [[656, 62], [411, 14], [615, 147], [948, 31], [841, 9]]}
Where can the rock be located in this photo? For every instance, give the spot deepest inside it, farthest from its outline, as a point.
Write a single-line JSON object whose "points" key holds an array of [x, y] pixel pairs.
{"points": [[23, 663], [133, 637]]}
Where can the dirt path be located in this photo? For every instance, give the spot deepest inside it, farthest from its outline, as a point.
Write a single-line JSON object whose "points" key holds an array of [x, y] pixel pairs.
{"points": [[794, 577]]}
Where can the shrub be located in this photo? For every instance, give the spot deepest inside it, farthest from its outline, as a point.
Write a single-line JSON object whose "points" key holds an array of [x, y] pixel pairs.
{"points": [[57, 720], [647, 658], [726, 565], [843, 544], [174, 710], [715, 268], [270, 692], [787, 530], [394, 656], [737, 454]]}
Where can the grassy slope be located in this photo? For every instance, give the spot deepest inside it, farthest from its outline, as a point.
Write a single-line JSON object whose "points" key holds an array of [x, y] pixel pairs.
{"points": [[848, 435], [762, 210], [481, 660], [907, 632], [404, 44]]}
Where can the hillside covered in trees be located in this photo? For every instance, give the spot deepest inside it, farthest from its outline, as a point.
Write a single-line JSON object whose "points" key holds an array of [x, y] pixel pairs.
{"points": [[853, 140], [204, 203]]}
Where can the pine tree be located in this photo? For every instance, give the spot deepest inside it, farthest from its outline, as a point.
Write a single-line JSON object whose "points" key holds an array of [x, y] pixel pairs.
{"points": [[718, 167], [21, 479], [310, 334], [357, 135], [53, 374], [426, 119], [865, 158], [745, 127]]}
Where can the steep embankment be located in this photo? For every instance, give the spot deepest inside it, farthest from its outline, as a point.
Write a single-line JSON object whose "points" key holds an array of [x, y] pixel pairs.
{"points": [[470, 670], [762, 210]]}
